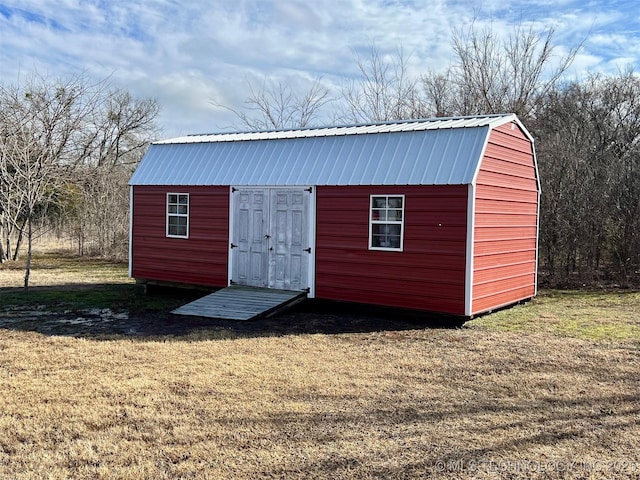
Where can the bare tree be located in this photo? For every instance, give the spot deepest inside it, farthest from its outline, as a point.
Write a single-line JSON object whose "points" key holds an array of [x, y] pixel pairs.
{"points": [[495, 75], [48, 130], [439, 94], [273, 105], [32, 176], [589, 152], [39, 124], [97, 215], [122, 127], [385, 90]]}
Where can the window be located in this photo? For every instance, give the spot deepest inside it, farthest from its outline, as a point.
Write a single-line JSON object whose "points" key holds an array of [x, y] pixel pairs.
{"points": [[386, 222], [178, 215]]}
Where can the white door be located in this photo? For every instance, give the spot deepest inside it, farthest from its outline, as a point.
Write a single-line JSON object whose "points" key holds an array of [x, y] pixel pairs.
{"points": [[270, 239], [249, 246]]}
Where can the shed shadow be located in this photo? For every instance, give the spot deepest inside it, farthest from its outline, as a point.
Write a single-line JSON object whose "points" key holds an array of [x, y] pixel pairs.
{"points": [[314, 316], [119, 311]]}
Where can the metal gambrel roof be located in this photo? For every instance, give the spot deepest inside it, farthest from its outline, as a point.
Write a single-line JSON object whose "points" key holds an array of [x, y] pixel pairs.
{"points": [[438, 151]]}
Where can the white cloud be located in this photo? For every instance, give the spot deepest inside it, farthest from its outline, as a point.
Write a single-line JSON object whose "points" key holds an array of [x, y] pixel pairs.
{"points": [[185, 53]]}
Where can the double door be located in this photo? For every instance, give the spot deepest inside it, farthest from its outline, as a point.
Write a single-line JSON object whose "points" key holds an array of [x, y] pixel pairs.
{"points": [[270, 237]]}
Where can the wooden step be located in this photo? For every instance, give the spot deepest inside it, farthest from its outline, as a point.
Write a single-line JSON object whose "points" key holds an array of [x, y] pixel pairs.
{"points": [[239, 302]]}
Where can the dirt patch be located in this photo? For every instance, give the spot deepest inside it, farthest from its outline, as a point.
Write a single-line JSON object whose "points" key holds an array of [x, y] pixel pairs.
{"points": [[308, 318], [93, 321]]}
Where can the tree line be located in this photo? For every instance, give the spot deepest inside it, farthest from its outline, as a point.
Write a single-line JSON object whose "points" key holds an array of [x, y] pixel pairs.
{"points": [[68, 147], [586, 131]]}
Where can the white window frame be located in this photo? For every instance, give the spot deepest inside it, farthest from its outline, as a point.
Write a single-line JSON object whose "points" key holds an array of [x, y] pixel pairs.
{"points": [[177, 214], [373, 222]]}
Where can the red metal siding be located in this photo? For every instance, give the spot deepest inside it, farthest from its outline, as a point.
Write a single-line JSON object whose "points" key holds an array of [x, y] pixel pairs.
{"points": [[505, 217], [428, 275], [200, 259]]}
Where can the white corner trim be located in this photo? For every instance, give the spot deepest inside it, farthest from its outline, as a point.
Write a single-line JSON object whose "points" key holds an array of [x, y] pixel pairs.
{"points": [[130, 231], [468, 280], [535, 278], [481, 156]]}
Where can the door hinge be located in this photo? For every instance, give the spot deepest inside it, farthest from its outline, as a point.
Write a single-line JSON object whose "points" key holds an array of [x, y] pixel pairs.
{"points": [[234, 189], [308, 250], [308, 290], [233, 245], [310, 189], [231, 282]]}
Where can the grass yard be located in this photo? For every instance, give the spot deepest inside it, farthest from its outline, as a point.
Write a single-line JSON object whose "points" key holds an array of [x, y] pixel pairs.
{"points": [[550, 389]]}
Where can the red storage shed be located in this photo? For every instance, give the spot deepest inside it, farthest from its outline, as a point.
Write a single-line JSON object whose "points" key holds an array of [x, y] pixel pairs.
{"points": [[438, 215]]}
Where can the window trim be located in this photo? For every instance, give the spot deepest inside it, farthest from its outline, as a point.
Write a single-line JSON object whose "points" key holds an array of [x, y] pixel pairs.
{"points": [[386, 222], [179, 215]]}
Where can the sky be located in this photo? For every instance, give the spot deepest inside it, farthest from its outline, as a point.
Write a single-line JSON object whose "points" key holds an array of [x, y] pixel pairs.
{"points": [[195, 55]]}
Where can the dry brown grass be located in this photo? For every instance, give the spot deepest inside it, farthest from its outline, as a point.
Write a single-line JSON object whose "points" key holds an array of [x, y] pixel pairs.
{"points": [[377, 405], [477, 402], [59, 269]]}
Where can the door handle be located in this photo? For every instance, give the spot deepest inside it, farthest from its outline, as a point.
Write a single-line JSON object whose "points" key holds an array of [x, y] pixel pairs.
{"points": [[267, 236]]}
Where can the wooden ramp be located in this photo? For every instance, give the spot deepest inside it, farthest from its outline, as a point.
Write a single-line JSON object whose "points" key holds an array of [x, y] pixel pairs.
{"points": [[239, 302]]}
